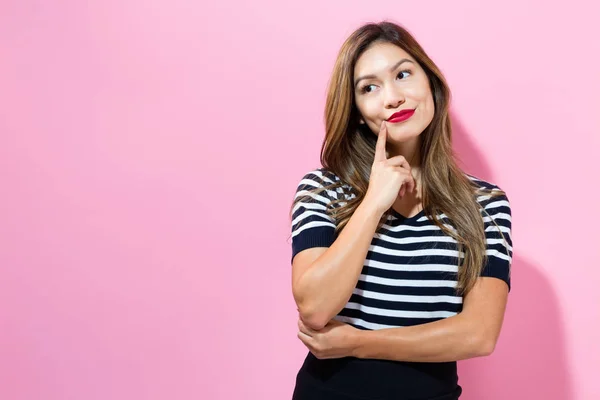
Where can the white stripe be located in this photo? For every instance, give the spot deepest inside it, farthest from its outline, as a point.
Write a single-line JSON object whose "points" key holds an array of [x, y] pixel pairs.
{"points": [[307, 214], [312, 224], [497, 216], [312, 206], [416, 253], [497, 203], [493, 228], [425, 218], [496, 253], [411, 267], [315, 184], [317, 197], [407, 282], [321, 175], [422, 239], [488, 196], [408, 298], [399, 313], [401, 228]]}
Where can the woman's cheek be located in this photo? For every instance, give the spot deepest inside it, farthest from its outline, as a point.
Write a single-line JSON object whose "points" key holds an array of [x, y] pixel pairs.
{"points": [[373, 107]]}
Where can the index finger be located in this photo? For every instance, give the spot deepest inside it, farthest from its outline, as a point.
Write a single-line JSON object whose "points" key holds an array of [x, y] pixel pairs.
{"points": [[381, 141]]}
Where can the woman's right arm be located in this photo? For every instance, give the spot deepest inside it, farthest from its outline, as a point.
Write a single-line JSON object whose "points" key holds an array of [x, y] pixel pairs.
{"points": [[323, 278]]}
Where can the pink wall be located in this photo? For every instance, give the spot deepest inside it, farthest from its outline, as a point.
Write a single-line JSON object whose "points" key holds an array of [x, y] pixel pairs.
{"points": [[149, 152]]}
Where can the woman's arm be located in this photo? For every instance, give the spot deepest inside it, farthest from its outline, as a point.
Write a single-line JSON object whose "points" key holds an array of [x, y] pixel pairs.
{"points": [[323, 278], [472, 333]]}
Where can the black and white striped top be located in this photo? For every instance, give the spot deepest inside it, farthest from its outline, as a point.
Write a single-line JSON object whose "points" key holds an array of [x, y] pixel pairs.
{"points": [[409, 275]]}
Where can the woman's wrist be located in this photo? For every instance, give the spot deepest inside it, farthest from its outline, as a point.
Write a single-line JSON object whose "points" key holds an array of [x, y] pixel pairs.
{"points": [[369, 208], [358, 342]]}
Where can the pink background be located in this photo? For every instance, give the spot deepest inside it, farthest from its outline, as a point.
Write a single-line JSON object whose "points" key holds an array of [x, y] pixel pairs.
{"points": [[150, 150]]}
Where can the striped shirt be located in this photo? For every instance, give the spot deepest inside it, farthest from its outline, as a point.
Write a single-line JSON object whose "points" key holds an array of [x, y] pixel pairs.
{"points": [[409, 276]]}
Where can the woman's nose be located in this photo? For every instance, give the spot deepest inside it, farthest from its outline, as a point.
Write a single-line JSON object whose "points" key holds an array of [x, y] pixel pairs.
{"points": [[393, 98]]}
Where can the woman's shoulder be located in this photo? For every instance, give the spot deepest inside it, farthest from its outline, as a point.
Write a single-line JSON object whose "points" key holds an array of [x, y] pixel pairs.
{"points": [[320, 177], [482, 183], [488, 191]]}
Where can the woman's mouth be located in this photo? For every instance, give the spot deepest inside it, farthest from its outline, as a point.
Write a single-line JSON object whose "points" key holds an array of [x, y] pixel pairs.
{"points": [[401, 116]]}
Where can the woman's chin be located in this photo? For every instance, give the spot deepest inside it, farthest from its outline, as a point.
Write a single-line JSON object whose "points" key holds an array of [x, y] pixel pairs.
{"points": [[402, 136]]}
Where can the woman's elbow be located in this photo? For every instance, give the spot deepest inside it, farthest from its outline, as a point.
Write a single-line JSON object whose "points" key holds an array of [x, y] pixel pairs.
{"points": [[309, 311], [486, 345], [312, 319]]}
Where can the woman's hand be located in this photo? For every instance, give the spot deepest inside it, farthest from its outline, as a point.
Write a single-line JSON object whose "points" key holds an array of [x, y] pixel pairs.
{"points": [[335, 340], [390, 177]]}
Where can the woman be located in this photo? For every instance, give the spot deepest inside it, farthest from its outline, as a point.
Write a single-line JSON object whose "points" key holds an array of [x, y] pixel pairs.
{"points": [[401, 261]]}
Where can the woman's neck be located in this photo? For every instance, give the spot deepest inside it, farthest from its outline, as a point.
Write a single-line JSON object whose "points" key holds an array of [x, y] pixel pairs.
{"points": [[409, 149]]}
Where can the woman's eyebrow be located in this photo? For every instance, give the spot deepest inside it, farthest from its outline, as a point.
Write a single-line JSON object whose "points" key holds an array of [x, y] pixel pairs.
{"points": [[391, 69]]}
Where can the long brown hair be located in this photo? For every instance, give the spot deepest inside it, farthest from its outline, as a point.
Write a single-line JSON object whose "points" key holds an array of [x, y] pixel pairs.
{"points": [[348, 151]]}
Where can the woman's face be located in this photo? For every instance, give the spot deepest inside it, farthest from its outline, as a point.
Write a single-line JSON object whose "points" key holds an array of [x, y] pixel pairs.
{"points": [[388, 80]]}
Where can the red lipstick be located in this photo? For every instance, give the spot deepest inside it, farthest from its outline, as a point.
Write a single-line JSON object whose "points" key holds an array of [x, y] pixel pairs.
{"points": [[401, 116]]}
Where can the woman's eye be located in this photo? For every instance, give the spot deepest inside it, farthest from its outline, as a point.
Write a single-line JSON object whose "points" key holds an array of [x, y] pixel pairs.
{"points": [[365, 88], [406, 71]]}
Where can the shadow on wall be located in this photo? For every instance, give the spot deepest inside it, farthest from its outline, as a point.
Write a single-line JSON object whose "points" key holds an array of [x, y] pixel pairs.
{"points": [[529, 361]]}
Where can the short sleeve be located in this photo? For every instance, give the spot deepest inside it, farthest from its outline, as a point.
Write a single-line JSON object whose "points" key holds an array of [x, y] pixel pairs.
{"points": [[497, 220], [311, 225]]}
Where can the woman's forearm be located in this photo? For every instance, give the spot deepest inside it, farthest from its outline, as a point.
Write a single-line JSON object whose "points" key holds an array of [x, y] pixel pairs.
{"points": [[327, 285], [450, 339]]}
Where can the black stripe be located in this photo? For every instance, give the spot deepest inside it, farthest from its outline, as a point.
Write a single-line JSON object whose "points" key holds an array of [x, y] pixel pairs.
{"points": [[416, 275], [409, 290], [380, 319], [421, 245], [405, 306]]}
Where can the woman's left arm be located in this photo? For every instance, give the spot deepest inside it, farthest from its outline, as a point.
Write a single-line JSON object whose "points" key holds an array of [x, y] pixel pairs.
{"points": [[471, 333]]}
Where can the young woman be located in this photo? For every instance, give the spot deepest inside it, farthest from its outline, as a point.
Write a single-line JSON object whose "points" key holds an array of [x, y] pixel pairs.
{"points": [[400, 260]]}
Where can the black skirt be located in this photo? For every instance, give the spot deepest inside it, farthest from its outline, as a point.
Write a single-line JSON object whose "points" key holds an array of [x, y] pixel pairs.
{"points": [[352, 378]]}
